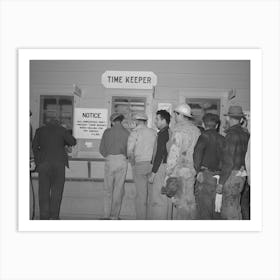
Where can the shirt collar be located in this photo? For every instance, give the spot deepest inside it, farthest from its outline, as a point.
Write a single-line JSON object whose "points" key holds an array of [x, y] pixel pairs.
{"points": [[118, 125], [141, 125], [236, 126], [163, 129]]}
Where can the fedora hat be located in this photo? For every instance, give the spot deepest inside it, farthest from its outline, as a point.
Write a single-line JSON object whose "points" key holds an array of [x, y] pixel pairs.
{"points": [[184, 109], [235, 111], [114, 116]]}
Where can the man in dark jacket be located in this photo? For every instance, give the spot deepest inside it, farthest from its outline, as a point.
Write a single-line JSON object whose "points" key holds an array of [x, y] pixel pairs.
{"points": [[158, 203], [233, 173], [207, 158], [51, 158]]}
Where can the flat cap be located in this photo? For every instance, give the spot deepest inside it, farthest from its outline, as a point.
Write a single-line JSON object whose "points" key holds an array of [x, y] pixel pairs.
{"points": [[140, 116]]}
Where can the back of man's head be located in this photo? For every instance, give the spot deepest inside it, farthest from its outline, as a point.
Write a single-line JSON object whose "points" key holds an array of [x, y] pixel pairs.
{"points": [[120, 118], [210, 120]]}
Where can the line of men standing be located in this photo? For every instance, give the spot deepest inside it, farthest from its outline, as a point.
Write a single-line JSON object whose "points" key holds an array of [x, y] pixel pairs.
{"points": [[202, 174]]}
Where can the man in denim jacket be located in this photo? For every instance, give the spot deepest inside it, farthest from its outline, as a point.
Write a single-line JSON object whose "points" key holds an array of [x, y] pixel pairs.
{"points": [[233, 173]]}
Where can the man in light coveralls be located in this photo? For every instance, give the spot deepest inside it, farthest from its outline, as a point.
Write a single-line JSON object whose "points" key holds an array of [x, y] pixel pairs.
{"points": [[113, 147], [140, 151], [180, 162]]}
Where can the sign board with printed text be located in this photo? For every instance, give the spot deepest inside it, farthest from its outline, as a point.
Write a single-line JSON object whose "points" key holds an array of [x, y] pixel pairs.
{"points": [[129, 79], [90, 123]]}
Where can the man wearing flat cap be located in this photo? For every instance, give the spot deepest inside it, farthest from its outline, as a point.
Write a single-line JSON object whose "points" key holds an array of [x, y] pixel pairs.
{"points": [[180, 162], [140, 152], [233, 173], [113, 147]]}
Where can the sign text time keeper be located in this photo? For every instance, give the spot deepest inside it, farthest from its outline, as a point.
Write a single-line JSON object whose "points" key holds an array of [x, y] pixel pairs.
{"points": [[129, 79]]}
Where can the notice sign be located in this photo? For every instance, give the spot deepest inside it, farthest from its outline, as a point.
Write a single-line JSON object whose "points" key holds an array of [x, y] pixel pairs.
{"points": [[90, 123], [129, 79]]}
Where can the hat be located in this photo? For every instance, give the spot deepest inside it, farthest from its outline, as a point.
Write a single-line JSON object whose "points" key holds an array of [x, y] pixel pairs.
{"points": [[140, 116], [114, 116], [184, 109], [235, 111], [171, 188]]}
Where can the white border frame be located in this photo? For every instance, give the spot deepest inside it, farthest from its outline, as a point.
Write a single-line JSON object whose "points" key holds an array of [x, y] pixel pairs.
{"points": [[24, 57]]}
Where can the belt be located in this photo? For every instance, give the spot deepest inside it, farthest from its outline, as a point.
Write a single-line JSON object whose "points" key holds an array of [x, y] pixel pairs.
{"points": [[215, 172]]}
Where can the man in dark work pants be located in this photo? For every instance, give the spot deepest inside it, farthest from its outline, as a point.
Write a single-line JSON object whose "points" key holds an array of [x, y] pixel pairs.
{"points": [[50, 159], [207, 159]]}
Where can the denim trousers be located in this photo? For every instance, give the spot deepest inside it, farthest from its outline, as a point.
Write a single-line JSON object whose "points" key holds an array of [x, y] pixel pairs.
{"points": [[231, 207], [205, 193], [158, 203], [185, 204], [114, 180], [141, 172]]}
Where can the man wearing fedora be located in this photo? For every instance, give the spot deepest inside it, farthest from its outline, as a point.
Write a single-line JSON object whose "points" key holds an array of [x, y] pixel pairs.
{"points": [[113, 147], [140, 151], [233, 173], [180, 162]]}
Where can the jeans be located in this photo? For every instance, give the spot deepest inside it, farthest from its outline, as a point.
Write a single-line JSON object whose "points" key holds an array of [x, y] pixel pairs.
{"points": [[141, 172], [158, 203], [114, 179], [185, 205], [205, 192], [231, 208], [51, 185]]}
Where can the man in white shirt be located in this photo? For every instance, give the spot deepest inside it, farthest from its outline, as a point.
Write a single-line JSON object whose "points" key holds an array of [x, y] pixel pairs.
{"points": [[140, 151]]}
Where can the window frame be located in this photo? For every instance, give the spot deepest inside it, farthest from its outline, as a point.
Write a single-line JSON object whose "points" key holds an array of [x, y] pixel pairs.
{"points": [[58, 98]]}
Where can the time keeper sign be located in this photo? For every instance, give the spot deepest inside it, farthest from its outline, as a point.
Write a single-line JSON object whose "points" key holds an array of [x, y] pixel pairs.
{"points": [[129, 79]]}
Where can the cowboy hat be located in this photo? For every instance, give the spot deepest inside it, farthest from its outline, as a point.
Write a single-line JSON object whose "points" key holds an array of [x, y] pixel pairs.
{"points": [[184, 109], [235, 111]]}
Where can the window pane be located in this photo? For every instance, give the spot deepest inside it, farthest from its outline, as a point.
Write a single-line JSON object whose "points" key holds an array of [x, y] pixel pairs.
{"points": [[201, 106], [60, 107], [128, 106]]}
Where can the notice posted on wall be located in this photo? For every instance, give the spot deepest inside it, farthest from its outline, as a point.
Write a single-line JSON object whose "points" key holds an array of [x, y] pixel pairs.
{"points": [[90, 123]]}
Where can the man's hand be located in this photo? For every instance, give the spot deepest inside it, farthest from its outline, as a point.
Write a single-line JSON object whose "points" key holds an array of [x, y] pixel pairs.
{"points": [[131, 160], [32, 165], [199, 177], [152, 177], [68, 149]]}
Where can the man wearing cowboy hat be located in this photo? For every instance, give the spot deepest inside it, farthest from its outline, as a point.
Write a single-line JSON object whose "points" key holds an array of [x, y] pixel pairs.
{"points": [[140, 151], [180, 161], [233, 173], [113, 147]]}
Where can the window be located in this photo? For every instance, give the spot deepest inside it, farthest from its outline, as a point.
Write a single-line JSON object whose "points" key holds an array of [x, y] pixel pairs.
{"points": [[60, 107], [128, 106], [201, 106]]}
